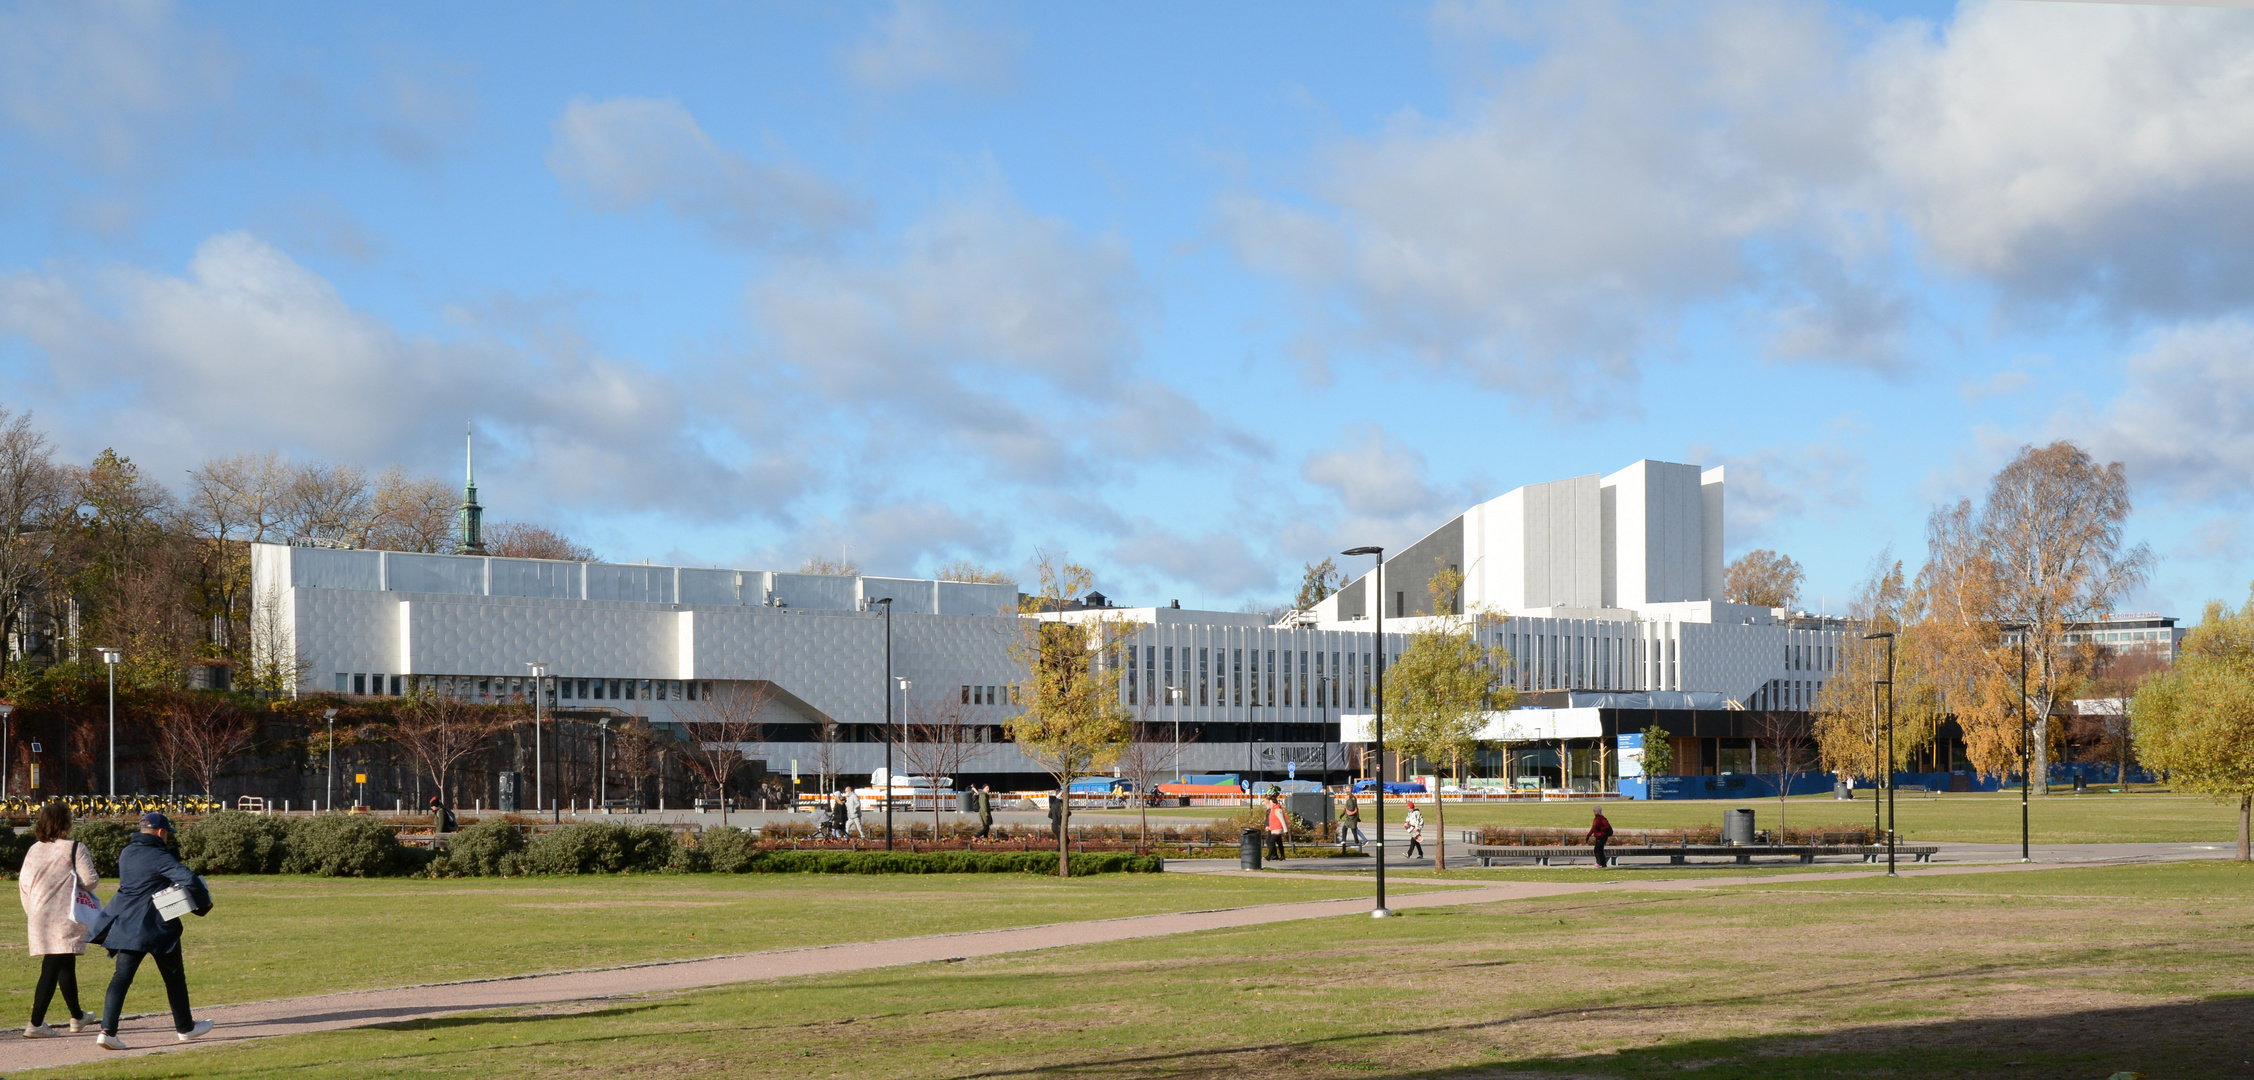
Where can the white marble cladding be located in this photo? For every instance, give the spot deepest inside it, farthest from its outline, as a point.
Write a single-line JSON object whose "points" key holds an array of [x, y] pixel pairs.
{"points": [[278, 567], [1757, 664]]}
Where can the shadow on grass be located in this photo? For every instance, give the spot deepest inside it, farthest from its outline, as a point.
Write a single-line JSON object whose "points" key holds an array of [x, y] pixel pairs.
{"points": [[2197, 1039]]}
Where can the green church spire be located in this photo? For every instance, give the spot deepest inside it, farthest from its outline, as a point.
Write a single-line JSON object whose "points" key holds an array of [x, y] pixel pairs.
{"points": [[472, 518]]}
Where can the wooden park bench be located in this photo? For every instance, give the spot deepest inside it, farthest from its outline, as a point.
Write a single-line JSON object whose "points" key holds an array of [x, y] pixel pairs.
{"points": [[1676, 854]]}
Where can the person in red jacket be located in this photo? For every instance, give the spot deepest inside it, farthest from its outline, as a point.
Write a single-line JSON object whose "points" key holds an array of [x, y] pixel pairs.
{"points": [[1600, 830], [1278, 825]]}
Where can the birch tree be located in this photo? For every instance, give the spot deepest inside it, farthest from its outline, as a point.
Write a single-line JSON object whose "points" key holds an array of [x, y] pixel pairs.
{"points": [[2043, 550], [1072, 721], [1438, 693], [1849, 728]]}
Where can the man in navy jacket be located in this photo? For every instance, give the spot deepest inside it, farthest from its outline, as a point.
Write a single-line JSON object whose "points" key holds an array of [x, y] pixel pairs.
{"points": [[131, 929]]}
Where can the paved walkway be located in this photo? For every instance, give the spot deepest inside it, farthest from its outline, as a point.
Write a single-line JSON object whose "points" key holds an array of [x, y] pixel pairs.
{"points": [[1950, 853], [329, 1012]]}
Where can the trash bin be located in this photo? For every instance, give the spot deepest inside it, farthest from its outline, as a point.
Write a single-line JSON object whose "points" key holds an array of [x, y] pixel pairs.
{"points": [[2081, 783], [511, 784], [1248, 850], [966, 802], [1840, 791], [1737, 827]]}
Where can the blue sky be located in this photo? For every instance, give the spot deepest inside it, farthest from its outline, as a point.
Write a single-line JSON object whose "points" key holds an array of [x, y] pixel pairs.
{"points": [[1193, 295]]}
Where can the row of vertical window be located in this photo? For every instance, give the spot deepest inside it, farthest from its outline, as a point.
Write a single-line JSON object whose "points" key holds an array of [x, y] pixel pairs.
{"points": [[1208, 676], [491, 688], [990, 695], [1787, 695], [1581, 662]]}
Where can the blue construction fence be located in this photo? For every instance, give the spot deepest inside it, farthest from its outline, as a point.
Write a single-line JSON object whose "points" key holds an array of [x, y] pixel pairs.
{"points": [[1753, 786]]}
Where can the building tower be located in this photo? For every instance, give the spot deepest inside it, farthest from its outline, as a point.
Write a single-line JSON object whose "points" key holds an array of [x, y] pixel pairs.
{"points": [[472, 517]]}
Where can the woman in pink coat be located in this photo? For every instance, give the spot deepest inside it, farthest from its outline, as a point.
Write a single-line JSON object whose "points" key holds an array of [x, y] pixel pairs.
{"points": [[53, 870]]}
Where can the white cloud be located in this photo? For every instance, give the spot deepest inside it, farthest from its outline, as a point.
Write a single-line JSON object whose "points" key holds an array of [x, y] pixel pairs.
{"points": [[920, 43], [248, 350], [1773, 486], [2184, 423], [627, 153], [1375, 476], [2077, 150], [1221, 563], [105, 79]]}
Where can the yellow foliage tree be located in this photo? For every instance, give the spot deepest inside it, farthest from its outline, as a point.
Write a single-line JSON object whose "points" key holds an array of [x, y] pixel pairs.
{"points": [[1071, 720], [1438, 692], [2195, 721]]}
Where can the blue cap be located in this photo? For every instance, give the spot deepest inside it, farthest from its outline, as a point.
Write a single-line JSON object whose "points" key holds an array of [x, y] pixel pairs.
{"points": [[154, 820]]}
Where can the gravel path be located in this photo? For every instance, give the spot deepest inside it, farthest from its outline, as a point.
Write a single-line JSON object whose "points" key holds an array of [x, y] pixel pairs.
{"points": [[329, 1012]]}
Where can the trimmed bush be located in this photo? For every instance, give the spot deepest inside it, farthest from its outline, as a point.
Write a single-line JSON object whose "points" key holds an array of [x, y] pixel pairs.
{"points": [[103, 840], [727, 850], [13, 847], [784, 861], [486, 849], [234, 842], [347, 845], [596, 848]]}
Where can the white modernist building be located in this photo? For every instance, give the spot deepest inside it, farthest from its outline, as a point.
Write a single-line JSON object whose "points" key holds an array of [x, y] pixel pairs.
{"points": [[1608, 588]]}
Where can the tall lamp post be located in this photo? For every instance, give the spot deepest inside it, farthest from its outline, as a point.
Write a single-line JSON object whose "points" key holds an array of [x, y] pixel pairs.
{"points": [[109, 660], [602, 768], [330, 796], [2020, 630], [887, 602], [539, 771], [1888, 773], [1376, 597]]}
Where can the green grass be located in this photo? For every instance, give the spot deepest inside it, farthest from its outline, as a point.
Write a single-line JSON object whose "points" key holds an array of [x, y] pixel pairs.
{"points": [[276, 937], [1891, 981], [2097, 817]]}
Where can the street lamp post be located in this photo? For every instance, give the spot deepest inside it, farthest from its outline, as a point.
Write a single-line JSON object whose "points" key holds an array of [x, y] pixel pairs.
{"points": [[1375, 595], [1889, 746], [330, 796], [2020, 629], [888, 784], [539, 771], [602, 768], [109, 660]]}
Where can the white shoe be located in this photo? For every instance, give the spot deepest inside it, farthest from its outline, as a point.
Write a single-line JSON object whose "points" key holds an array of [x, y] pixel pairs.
{"points": [[81, 1023], [109, 1042], [40, 1031], [196, 1032]]}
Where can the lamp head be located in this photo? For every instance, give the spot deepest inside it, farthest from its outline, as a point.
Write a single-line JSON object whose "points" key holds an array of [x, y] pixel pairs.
{"points": [[1363, 551], [2012, 627], [330, 715], [6, 711], [1881, 634]]}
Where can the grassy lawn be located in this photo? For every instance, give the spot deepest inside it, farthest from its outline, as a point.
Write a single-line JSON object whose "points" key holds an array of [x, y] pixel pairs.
{"points": [[276, 937], [2093, 818], [2061, 973]]}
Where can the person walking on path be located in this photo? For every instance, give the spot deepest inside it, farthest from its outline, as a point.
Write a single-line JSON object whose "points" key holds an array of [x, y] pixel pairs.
{"points": [[1056, 816], [441, 818], [1414, 825], [1600, 830], [1351, 822], [853, 815], [833, 822], [985, 810], [132, 930], [56, 872], [1278, 825]]}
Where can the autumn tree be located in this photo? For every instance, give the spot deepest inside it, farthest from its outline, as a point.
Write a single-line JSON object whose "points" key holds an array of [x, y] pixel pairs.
{"points": [[2195, 721], [31, 495], [1849, 728], [966, 570], [2043, 550], [1438, 693], [828, 567], [203, 734], [1072, 721], [1316, 582], [941, 738], [441, 731], [721, 722], [1764, 578], [520, 540], [1659, 752]]}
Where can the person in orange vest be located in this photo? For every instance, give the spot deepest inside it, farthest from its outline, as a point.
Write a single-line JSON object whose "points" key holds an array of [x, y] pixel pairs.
{"points": [[1278, 825]]}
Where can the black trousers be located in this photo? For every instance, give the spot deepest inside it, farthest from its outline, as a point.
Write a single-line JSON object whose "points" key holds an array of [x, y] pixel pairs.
{"points": [[56, 971], [1416, 848], [1275, 845], [1600, 852], [175, 988]]}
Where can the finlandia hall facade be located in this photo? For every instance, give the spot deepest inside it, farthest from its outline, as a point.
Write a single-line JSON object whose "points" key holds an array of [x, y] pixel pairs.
{"points": [[1610, 587]]}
